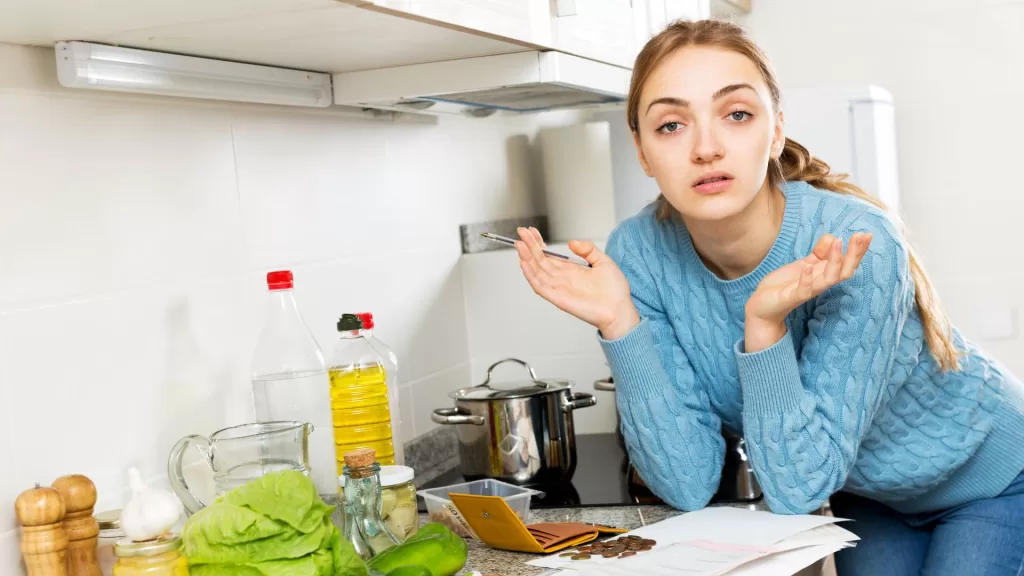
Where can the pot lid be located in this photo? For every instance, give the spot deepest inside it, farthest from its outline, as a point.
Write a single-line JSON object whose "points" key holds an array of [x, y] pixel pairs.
{"points": [[512, 389]]}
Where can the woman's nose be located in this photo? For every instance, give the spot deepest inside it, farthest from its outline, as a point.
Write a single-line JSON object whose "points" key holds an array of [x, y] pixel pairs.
{"points": [[706, 147]]}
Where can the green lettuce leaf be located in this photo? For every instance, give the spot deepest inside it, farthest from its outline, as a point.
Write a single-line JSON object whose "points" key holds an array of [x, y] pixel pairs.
{"points": [[227, 524], [317, 564], [289, 544], [289, 496]]}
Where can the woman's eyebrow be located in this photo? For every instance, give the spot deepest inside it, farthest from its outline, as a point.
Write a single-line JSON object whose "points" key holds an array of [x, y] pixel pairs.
{"points": [[720, 93]]}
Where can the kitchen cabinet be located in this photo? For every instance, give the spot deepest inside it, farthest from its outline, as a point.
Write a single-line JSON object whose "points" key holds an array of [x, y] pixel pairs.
{"points": [[351, 35]]}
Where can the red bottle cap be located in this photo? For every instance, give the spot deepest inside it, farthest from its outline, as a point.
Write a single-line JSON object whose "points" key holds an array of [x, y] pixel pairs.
{"points": [[367, 319], [280, 280]]}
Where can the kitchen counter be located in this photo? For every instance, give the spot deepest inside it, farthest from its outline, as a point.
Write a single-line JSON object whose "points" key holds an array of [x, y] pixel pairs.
{"points": [[490, 561]]}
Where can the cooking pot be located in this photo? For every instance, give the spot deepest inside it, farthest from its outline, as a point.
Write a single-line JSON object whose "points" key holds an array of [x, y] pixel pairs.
{"points": [[521, 433], [738, 482]]}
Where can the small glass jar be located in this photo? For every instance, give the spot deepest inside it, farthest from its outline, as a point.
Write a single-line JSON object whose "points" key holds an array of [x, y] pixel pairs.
{"points": [[398, 501], [160, 557], [110, 534]]}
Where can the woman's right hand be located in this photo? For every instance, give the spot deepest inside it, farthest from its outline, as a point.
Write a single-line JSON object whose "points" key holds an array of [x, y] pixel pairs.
{"points": [[598, 295]]}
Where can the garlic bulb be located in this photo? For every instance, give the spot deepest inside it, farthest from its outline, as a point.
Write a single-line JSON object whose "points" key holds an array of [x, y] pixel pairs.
{"points": [[150, 513]]}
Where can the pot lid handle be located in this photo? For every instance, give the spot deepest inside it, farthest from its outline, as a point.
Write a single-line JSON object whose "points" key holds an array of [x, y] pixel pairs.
{"points": [[533, 375]]}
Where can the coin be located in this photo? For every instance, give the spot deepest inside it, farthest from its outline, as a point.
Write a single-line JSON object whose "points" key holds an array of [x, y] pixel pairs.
{"points": [[581, 557], [627, 553], [610, 554]]}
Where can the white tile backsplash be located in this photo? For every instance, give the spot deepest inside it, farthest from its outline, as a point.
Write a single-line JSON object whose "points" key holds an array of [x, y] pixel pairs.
{"points": [[432, 392], [10, 554], [139, 232], [506, 318], [100, 196], [312, 188], [8, 486]]}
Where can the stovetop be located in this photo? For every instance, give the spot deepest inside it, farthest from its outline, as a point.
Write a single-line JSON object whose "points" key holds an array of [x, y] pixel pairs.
{"points": [[602, 478]]}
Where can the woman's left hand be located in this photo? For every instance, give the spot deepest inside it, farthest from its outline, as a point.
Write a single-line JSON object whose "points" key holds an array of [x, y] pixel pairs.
{"points": [[785, 289]]}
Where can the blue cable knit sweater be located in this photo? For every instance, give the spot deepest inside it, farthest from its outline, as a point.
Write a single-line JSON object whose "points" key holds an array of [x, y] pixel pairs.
{"points": [[849, 399]]}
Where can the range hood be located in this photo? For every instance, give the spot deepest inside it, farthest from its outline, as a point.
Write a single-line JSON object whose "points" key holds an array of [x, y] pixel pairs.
{"points": [[520, 82]]}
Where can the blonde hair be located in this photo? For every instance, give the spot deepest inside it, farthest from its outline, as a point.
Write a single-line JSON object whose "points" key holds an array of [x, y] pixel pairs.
{"points": [[795, 162]]}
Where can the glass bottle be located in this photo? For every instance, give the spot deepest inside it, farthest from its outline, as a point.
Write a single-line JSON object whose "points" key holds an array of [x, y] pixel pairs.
{"points": [[364, 527], [390, 362], [160, 557], [289, 379]]}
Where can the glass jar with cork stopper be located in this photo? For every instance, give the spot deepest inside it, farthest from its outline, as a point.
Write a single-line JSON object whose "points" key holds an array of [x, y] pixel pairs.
{"points": [[364, 527]]}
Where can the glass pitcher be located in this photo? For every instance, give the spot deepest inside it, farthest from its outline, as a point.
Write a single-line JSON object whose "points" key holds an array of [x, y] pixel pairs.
{"points": [[240, 454]]}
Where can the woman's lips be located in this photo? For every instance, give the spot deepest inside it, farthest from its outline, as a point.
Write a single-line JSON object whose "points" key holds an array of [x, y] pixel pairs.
{"points": [[713, 185]]}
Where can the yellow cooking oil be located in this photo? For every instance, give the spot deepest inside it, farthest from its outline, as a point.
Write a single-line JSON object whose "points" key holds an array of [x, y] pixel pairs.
{"points": [[359, 407]]}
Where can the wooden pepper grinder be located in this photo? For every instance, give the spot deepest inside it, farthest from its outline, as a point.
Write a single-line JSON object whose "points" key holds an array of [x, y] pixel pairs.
{"points": [[43, 541], [79, 495]]}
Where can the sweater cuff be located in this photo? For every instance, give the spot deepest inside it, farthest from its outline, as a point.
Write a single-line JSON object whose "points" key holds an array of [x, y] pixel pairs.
{"points": [[770, 379], [634, 361]]}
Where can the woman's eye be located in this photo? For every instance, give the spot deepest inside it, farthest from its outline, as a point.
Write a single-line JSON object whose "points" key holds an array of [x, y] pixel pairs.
{"points": [[669, 127], [739, 116]]}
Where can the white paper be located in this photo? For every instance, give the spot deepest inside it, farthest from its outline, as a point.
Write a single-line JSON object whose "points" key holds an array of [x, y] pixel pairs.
{"points": [[787, 563], [719, 541], [722, 525]]}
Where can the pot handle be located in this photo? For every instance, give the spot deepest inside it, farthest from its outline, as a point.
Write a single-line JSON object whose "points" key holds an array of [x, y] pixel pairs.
{"points": [[455, 416], [579, 400], [604, 385], [533, 375]]}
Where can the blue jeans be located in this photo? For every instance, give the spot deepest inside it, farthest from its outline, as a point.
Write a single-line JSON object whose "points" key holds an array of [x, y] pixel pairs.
{"points": [[983, 538]]}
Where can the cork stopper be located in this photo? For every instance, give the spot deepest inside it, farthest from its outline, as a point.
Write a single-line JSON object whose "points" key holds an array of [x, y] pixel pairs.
{"points": [[77, 491], [360, 457]]}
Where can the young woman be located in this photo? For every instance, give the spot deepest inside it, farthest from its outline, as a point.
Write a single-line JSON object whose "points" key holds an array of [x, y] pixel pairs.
{"points": [[731, 302]]}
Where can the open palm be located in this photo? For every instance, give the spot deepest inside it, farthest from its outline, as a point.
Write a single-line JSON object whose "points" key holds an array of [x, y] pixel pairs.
{"points": [[597, 295], [783, 290]]}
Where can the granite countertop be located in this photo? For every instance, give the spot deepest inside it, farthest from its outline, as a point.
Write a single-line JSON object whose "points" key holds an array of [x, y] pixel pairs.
{"points": [[486, 560]]}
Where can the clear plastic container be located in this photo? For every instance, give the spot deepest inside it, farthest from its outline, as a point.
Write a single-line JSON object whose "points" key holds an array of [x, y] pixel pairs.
{"points": [[360, 403], [289, 379], [390, 362], [441, 509]]}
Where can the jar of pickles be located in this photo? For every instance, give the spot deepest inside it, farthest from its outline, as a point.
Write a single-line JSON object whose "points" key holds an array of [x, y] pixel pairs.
{"points": [[398, 500], [160, 557]]}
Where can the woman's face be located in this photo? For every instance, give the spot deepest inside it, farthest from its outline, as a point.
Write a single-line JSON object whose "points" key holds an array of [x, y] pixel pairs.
{"points": [[707, 130]]}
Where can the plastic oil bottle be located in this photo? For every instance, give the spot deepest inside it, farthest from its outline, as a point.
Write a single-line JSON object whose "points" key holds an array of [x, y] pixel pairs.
{"points": [[390, 363], [360, 405]]}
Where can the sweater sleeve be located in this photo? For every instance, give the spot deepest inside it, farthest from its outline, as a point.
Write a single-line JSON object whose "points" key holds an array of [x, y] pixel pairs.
{"points": [[804, 418], [671, 432]]}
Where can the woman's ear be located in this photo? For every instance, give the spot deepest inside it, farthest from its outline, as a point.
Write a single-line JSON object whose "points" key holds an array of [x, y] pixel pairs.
{"points": [[640, 155], [779, 137]]}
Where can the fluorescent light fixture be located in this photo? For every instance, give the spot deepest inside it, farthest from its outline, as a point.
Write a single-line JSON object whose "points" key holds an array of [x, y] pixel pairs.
{"points": [[102, 67]]}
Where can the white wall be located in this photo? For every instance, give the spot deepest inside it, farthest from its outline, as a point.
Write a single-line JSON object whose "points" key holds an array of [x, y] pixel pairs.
{"points": [[135, 234], [954, 68]]}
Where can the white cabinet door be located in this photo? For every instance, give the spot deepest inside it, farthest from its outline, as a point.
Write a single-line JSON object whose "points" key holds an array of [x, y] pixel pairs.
{"points": [[525, 21], [603, 30], [652, 16]]}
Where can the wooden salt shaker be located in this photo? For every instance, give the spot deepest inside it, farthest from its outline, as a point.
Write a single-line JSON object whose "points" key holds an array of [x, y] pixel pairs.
{"points": [[43, 541], [82, 530]]}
